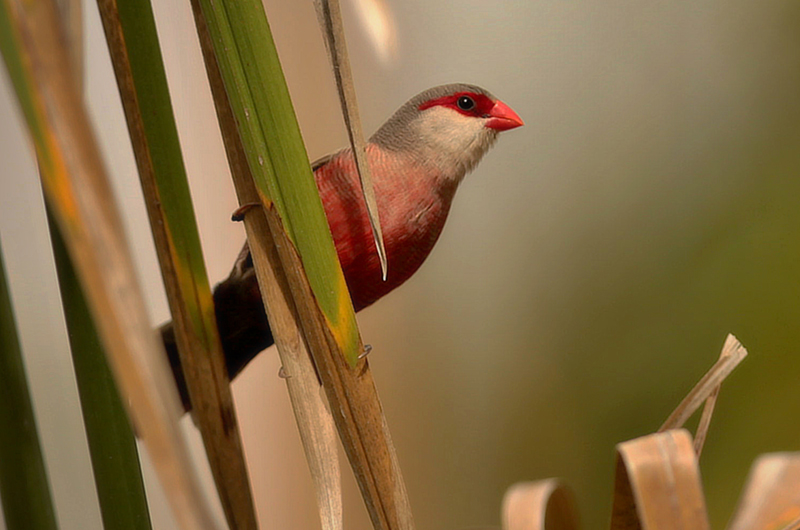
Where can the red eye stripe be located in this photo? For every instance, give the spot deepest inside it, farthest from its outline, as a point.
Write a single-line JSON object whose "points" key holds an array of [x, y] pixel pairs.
{"points": [[483, 104]]}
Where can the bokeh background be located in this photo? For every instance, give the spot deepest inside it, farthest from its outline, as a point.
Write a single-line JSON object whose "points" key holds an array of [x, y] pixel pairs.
{"points": [[589, 272]]}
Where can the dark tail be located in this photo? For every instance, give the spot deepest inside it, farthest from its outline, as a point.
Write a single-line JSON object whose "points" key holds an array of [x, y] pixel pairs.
{"points": [[241, 319]]}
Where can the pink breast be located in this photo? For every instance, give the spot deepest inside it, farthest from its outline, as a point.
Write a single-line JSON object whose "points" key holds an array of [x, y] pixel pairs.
{"points": [[412, 208]]}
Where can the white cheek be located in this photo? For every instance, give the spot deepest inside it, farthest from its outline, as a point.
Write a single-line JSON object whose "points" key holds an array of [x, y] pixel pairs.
{"points": [[448, 130], [454, 142]]}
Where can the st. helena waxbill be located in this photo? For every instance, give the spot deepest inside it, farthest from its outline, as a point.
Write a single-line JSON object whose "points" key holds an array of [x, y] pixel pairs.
{"points": [[417, 158]]}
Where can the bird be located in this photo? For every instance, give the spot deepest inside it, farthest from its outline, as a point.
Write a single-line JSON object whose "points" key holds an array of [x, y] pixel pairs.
{"points": [[417, 158]]}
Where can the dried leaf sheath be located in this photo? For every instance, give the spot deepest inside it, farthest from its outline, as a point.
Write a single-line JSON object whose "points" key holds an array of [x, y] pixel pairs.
{"points": [[136, 56], [771, 497], [77, 188]]}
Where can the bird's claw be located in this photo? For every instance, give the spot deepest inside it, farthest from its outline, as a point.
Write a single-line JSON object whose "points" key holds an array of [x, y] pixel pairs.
{"points": [[367, 349], [282, 373], [238, 213]]}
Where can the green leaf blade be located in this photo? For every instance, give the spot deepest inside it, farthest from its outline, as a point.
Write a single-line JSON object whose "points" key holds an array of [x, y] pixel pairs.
{"points": [[136, 56], [24, 488], [112, 445], [278, 159]]}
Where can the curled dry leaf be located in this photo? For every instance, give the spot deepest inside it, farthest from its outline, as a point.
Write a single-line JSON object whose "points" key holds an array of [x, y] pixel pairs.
{"points": [[771, 498], [542, 505], [657, 484]]}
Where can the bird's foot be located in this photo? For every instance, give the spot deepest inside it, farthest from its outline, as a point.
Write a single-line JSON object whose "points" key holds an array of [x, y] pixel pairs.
{"points": [[367, 349], [238, 213], [282, 374]]}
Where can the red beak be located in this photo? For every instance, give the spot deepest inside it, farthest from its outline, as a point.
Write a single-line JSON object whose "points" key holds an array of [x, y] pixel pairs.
{"points": [[502, 118]]}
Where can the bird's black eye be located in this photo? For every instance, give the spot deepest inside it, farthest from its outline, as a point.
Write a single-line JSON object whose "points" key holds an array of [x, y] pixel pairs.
{"points": [[465, 103]]}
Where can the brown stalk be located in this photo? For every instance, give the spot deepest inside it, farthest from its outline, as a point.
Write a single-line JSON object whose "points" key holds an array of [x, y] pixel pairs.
{"points": [[794, 525], [201, 354], [314, 420], [77, 187]]}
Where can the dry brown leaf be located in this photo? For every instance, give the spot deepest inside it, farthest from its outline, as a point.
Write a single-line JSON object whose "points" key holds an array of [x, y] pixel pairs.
{"points": [[541, 505], [657, 484], [771, 497]]}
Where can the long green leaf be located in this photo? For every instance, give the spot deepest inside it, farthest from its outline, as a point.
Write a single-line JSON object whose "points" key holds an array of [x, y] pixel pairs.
{"points": [[314, 419], [135, 53], [277, 157], [77, 188], [307, 261], [24, 488], [112, 445]]}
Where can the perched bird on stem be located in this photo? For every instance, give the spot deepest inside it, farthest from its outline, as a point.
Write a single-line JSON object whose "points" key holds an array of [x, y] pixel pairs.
{"points": [[417, 158]]}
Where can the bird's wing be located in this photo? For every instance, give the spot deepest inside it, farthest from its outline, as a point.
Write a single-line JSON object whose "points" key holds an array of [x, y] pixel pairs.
{"points": [[318, 163]]}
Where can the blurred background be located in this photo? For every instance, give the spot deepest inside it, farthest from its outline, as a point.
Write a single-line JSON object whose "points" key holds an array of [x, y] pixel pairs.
{"points": [[589, 272]]}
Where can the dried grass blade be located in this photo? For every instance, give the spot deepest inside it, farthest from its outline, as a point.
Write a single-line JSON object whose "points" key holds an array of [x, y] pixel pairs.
{"points": [[657, 484], [771, 497], [330, 20], [135, 53], [542, 505], [72, 15], [354, 401], [314, 420], [732, 354], [705, 421], [77, 188], [24, 487], [112, 445]]}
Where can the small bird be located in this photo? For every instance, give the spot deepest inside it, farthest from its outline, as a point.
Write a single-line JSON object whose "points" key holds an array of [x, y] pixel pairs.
{"points": [[417, 159]]}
